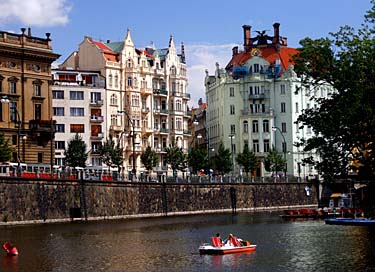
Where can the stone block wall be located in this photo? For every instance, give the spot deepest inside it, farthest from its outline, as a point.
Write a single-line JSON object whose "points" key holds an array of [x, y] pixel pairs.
{"points": [[24, 200]]}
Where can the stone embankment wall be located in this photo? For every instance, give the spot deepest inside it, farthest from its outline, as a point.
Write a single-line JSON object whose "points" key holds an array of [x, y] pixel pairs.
{"points": [[51, 201]]}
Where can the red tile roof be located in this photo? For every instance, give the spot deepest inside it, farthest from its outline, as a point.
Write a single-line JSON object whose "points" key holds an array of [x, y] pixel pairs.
{"points": [[269, 53]]}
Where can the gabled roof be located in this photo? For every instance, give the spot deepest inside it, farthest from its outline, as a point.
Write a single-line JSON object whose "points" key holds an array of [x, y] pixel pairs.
{"points": [[269, 53]]}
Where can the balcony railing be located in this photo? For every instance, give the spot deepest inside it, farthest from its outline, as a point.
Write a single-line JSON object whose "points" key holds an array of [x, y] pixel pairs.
{"points": [[164, 130], [96, 119]]}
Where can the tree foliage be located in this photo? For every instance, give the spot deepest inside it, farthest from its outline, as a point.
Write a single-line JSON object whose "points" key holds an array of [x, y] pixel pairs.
{"points": [[274, 161], [247, 160], [111, 153], [5, 149], [76, 154], [149, 158], [176, 158], [223, 160], [197, 159], [344, 122]]}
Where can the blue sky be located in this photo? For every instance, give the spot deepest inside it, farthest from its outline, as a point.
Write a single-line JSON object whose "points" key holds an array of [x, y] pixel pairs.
{"points": [[209, 29]]}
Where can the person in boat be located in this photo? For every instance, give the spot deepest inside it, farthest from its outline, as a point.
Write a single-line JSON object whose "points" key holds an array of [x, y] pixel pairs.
{"points": [[218, 236], [232, 241]]}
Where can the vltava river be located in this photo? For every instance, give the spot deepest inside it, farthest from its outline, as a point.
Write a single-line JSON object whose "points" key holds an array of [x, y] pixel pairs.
{"points": [[171, 244]]}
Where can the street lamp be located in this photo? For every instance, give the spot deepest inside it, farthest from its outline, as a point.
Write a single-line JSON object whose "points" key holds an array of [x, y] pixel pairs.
{"points": [[207, 138], [232, 136], [5, 100], [134, 170], [284, 147]]}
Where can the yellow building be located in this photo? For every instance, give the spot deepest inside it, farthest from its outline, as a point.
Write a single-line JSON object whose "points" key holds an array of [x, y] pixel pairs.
{"points": [[25, 93]]}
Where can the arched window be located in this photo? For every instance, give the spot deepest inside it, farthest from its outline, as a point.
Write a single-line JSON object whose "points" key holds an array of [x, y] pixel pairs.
{"points": [[113, 120], [266, 126], [113, 100], [255, 126], [245, 126]]}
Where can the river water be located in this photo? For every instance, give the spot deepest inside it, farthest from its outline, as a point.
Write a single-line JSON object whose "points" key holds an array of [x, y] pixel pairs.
{"points": [[171, 244]]}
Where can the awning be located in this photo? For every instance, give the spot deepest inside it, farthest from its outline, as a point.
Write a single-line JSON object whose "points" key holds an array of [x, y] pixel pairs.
{"points": [[336, 195]]}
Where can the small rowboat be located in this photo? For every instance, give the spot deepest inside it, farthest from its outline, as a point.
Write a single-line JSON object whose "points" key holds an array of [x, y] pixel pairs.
{"points": [[10, 249], [211, 250], [350, 221]]}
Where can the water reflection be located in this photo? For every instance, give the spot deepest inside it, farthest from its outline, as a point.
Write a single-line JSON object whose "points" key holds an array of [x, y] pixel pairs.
{"points": [[171, 244]]}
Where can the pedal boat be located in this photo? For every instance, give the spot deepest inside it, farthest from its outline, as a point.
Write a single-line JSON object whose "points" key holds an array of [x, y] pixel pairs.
{"points": [[211, 250], [10, 249]]}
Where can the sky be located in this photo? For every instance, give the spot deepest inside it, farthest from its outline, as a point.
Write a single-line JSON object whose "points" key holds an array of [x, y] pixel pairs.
{"points": [[209, 29]]}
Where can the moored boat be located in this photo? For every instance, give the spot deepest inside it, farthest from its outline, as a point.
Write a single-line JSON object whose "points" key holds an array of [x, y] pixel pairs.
{"points": [[350, 221], [10, 249]]}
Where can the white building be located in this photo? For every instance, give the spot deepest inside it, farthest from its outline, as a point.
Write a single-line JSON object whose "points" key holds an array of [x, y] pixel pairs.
{"points": [[256, 100], [78, 102], [145, 91]]}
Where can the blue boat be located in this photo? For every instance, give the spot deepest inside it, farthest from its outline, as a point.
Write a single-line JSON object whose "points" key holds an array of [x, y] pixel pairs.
{"points": [[350, 221]]}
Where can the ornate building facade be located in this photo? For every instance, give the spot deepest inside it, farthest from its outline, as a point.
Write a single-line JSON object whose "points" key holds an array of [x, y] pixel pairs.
{"points": [[146, 95], [26, 98]]}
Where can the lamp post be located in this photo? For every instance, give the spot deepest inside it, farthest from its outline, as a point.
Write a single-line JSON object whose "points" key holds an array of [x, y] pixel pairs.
{"points": [[284, 147], [5, 100], [207, 138], [232, 136], [134, 170]]}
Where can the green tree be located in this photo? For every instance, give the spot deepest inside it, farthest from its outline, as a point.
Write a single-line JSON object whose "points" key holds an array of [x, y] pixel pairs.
{"points": [[76, 154], [176, 158], [344, 123], [112, 153], [247, 160], [149, 158], [274, 161], [197, 158], [223, 160], [5, 149]]}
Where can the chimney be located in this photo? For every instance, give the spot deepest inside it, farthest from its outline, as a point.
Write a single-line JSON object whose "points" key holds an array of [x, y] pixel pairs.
{"points": [[276, 33], [247, 37], [234, 51], [183, 53]]}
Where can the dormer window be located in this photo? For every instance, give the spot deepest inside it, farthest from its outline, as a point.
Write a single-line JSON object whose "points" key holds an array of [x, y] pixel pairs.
{"points": [[256, 68]]}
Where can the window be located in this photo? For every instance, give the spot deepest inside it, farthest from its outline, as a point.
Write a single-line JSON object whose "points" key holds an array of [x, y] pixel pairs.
{"points": [[255, 146], [256, 68], [113, 120], [283, 109], [77, 128], [76, 111], [232, 129], [232, 110], [58, 111], [282, 89], [231, 92], [255, 126], [178, 124], [110, 79], [59, 128], [95, 97], [116, 81], [266, 126], [14, 139], [283, 127], [113, 100], [38, 111], [57, 94], [245, 126], [13, 111], [12, 87], [37, 90], [135, 100], [130, 82], [59, 144], [40, 157], [76, 95], [284, 147], [266, 146], [178, 105]]}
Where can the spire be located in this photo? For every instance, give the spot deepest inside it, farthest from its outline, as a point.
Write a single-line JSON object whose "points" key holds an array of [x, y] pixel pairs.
{"points": [[171, 42], [128, 38]]}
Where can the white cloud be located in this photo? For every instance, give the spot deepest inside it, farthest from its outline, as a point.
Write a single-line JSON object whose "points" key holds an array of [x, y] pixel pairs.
{"points": [[35, 12], [201, 57]]}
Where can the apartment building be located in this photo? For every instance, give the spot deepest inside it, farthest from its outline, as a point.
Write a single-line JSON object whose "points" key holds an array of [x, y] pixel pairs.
{"points": [[26, 97], [145, 93], [256, 99], [78, 106]]}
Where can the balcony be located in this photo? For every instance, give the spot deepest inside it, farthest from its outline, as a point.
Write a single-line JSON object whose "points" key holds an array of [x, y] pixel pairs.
{"points": [[96, 103], [97, 136], [145, 110], [269, 113], [115, 128], [146, 130], [187, 132], [146, 91], [41, 125], [164, 130], [161, 92], [187, 113], [186, 96], [96, 119], [256, 96]]}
